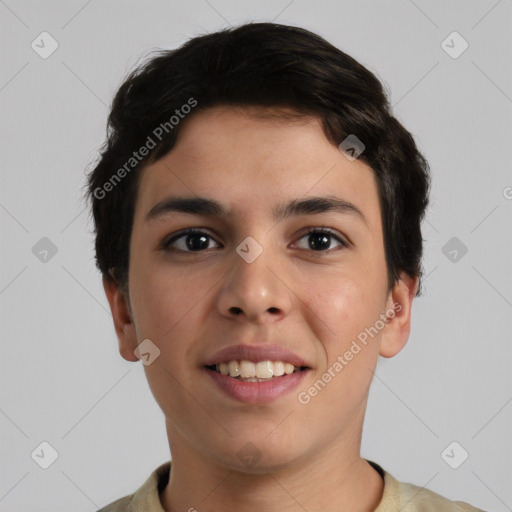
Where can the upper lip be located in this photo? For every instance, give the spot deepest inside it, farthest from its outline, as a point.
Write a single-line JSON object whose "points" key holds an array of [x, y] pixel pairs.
{"points": [[255, 353]]}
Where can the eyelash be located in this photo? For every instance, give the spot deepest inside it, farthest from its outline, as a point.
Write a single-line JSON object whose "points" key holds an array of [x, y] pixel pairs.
{"points": [[166, 244]]}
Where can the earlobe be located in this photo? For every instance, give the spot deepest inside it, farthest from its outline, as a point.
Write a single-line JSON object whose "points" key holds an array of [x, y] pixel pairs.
{"points": [[396, 333], [123, 322]]}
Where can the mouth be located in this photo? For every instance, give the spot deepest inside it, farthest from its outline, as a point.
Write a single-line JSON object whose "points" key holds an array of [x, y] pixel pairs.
{"points": [[260, 371], [259, 382]]}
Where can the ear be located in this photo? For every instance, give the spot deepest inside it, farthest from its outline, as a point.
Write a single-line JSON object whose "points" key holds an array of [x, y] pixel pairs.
{"points": [[123, 322], [398, 309]]}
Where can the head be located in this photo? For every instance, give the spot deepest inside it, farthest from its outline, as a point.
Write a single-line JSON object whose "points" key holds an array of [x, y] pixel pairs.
{"points": [[251, 119]]}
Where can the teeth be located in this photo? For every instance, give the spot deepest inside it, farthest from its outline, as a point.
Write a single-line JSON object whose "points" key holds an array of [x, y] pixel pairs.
{"points": [[264, 370], [256, 372], [278, 368], [288, 368], [234, 369], [247, 369]]}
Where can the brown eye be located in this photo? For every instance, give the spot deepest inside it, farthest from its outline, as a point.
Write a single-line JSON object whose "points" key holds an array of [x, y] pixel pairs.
{"points": [[189, 240], [320, 239]]}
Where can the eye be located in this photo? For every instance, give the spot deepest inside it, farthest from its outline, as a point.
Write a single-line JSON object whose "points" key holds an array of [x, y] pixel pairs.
{"points": [[188, 240], [320, 239], [196, 240]]}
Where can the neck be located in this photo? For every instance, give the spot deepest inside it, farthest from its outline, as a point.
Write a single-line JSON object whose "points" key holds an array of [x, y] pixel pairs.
{"points": [[340, 480]]}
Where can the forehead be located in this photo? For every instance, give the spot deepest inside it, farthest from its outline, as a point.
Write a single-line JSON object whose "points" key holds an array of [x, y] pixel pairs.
{"points": [[252, 162]]}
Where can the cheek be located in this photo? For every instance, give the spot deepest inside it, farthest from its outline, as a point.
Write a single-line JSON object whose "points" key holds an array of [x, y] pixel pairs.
{"points": [[346, 310], [164, 298], [342, 382], [171, 304], [167, 304], [345, 303]]}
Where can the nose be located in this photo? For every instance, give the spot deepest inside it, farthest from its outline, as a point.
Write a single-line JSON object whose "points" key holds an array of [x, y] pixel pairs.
{"points": [[257, 292]]}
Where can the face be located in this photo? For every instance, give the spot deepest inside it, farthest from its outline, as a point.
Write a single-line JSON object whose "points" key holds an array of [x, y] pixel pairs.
{"points": [[303, 284]]}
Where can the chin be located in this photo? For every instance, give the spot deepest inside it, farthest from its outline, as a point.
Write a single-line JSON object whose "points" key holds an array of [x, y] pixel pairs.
{"points": [[261, 457], [263, 466]]}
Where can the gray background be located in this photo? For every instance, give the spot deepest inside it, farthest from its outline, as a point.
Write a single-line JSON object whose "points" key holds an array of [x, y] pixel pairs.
{"points": [[62, 378]]}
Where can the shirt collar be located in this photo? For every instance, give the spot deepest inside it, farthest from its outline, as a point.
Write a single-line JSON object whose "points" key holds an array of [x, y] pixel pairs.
{"points": [[147, 497]]}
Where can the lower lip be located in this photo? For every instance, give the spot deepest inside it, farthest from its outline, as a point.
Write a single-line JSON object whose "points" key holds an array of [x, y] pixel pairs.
{"points": [[257, 392]]}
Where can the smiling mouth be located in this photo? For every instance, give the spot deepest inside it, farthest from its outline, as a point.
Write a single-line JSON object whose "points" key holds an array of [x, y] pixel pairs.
{"points": [[261, 371]]}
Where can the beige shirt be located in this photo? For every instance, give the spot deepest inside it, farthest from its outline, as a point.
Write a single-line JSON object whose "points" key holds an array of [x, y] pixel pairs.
{"points": [[397, 496]]}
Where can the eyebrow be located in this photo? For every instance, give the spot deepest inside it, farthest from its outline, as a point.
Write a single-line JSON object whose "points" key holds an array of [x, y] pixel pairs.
{"points": [[210, 208]]}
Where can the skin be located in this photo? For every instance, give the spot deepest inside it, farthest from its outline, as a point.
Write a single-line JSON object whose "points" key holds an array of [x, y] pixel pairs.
{"points": [[314, 303]]}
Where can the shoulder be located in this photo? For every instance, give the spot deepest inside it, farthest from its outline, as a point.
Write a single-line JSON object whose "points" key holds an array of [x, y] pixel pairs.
{"points": [[406, 497], [120, 505], [414, 499], [146, 498]]}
